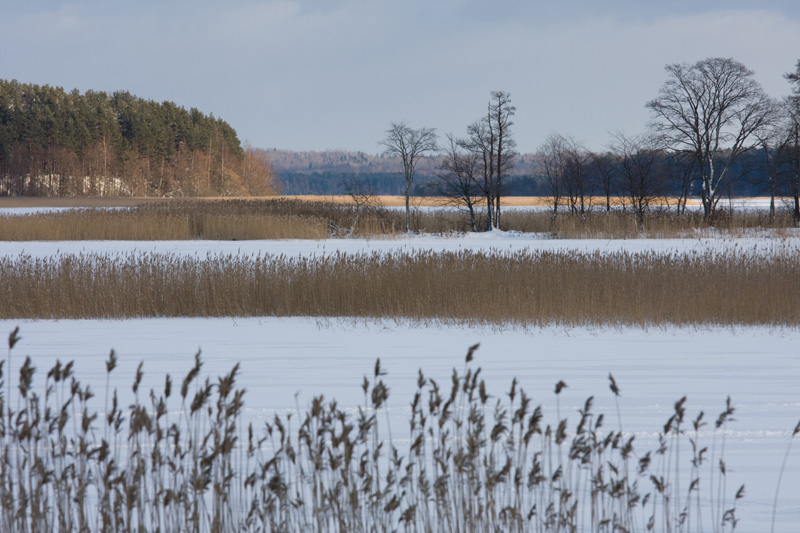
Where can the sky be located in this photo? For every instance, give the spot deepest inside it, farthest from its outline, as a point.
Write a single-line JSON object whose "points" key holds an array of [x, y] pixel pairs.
{"points": [[334, 74]]}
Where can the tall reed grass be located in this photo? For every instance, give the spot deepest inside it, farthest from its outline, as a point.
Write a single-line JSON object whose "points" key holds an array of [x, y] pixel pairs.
{"points": [[656, 224], [285, 218], [180, 459], [524, 287], [207, 219]]}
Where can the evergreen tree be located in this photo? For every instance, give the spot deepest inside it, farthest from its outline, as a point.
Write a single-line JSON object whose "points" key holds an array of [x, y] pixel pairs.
{"points": [[54, 142]]}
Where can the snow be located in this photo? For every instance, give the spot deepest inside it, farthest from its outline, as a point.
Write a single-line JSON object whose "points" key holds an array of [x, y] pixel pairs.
{"points": [[287, 361], [19, 211], [489, 241]]}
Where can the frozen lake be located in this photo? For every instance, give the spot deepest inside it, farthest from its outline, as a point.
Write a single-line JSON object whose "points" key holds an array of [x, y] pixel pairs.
{"points": [[492, 241], [287, 361]]}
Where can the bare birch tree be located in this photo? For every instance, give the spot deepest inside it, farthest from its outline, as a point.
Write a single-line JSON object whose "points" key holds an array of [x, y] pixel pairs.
{"points": [[410, 145], [710, 109]]}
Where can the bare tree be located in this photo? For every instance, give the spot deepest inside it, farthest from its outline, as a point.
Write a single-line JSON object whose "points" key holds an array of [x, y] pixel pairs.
{"points": [[793, 159], [491, 141], [680, 176], [642, 177], [364, 198], [775, 142], [710, 109], [577, 178], [793, 140], [480, 142], [409, 145], [551, 160], [606, 169], [457, 179], [499, 120]]}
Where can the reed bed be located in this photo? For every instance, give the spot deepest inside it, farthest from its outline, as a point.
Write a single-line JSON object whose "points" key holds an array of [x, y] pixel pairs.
{"points": [[180, 459], [240, 219], [655, 224], [207, 219], [523, 287]]}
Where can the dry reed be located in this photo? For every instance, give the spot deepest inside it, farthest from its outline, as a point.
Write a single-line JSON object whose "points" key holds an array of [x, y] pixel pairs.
{"points": [[180, 459], [284, 218], [207, 219], [525, 287]]}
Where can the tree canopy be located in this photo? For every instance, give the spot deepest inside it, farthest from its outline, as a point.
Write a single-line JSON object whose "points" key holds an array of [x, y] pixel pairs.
{"points": [[54, 142]]}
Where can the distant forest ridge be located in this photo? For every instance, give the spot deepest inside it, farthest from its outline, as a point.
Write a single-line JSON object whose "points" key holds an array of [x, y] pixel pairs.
{"points": [[344, 161], [342, 172], [58, 143]]}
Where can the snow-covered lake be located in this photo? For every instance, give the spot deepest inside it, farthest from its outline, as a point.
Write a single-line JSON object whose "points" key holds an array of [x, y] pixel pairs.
{"points": [[287, 361], [496, 240], [759, 368]]}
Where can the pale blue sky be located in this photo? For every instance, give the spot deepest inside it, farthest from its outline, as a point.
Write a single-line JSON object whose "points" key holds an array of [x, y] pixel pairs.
{"points": [[317, 74]]}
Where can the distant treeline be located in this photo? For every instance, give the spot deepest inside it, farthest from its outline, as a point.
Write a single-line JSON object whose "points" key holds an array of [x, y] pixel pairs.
{"points": [[338, 172], [58, 143], [345, 182]]}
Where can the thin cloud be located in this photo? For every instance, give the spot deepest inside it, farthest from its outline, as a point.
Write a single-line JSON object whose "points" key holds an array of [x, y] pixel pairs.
{"points": [[333, 74]]}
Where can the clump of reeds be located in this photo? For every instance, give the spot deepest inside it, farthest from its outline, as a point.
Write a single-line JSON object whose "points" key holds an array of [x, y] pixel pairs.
{"points": [[517, 288], [239, 219], [655, 224], [180, 459], [208, 219]]}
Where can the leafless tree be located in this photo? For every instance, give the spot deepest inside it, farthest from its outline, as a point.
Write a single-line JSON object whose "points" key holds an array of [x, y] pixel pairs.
{"points": [[710, 109], [577, 179], [606, 170], [681, 176], [410, 145], [793, 140], [775, 142], [457, 179], [491, 141], [499, 120], [551, 160], [363, 197], [642, 176], [480, 141]]}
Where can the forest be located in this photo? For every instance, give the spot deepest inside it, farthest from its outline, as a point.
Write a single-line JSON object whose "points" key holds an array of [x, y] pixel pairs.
{"points": [[58, 143], [338, 172]]}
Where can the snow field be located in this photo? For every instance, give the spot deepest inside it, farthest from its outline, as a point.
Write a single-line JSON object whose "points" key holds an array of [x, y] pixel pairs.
{"points": [[286, 362]]}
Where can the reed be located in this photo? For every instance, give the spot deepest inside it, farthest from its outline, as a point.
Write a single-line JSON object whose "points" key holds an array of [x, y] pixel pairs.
{"points": [[207, 219], [239, 219], [180, 459], [517, 288]]}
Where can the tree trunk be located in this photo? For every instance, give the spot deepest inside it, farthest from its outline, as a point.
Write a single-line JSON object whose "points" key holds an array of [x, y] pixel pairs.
{"points": [[472, 218], [408, 208], [796, 214], [490, 219]]}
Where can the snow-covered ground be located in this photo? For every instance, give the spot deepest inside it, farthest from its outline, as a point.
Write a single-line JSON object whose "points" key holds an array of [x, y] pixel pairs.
{"points": [[496, 240], [18, 211], [287, 361], [759, 368]]}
